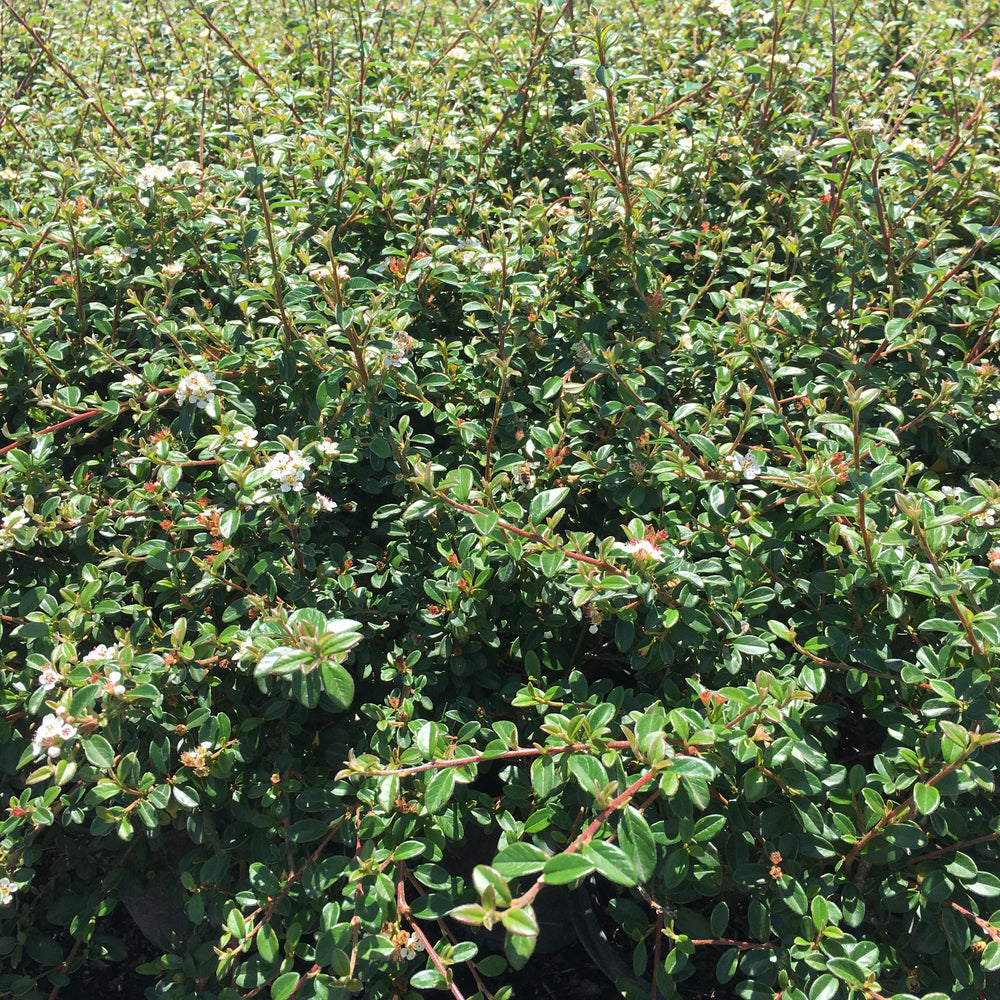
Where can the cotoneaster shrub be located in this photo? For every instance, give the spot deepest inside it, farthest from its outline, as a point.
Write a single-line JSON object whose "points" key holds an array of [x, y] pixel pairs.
{"points": [[449, 452]]}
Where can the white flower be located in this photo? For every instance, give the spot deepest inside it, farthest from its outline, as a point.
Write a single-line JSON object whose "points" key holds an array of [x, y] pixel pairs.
{"points": [[491, 266], [245, 437], [8, 175], [411, 948], [324, 503], [984, 518], [993, 410], [101, 652], [654, 171], [173, 270], [197, 388], [51, 734], [111, 256], [575, 174], [113, 684], [790, 155], [723, 7], [907, 144], [245, 647], [7, 890], [870, 126], [684, 342], [321, 275], [11, 522], [328, 448], [131, 381], [641, 549], [151, 174], [288, 469], [524, 477], [788, 302], [48, 678], [952, 492], [343, 273], [743, 464]]}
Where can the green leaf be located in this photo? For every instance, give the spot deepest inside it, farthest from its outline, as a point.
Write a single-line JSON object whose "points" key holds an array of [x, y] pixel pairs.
{"points": [[518, 948], [99, 751], [520, 859], [284, 985], [926, 798], [229, 523], [846, 969], [521, 920], [819, 910], [564, 868], [727, 965], [636, 839], [793, 894], [611, 861], [589, 772], [826, 987], [695, 767], [545, 501], [719, 919], [438, 789], [337, 683], [267, 943], [469, 913], [283, 660], [492, 965], [707, 827], [484, 877]]}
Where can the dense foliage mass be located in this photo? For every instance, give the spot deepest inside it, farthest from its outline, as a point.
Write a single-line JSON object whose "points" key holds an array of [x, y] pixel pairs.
{"points": [[448, 452]]}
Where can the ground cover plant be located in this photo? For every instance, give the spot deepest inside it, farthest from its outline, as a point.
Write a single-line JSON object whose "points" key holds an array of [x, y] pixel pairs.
{"points": [[451, 451]]}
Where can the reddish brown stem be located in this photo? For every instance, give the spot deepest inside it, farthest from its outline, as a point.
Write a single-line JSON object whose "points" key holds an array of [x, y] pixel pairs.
{"points": [[404, 913], [435, 765]]}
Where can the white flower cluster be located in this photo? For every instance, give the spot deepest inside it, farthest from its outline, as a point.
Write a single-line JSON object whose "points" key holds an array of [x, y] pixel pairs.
{"points": [[151, 174], [7, 890], [788, 302], [113, 684], [102, 653], [288, 469], [994, 411], [328, 448], [324, 275], [985, 518], [641, 549], [53, 732], [11, 522], [197, 388], [742, 465], [790, 156]]}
